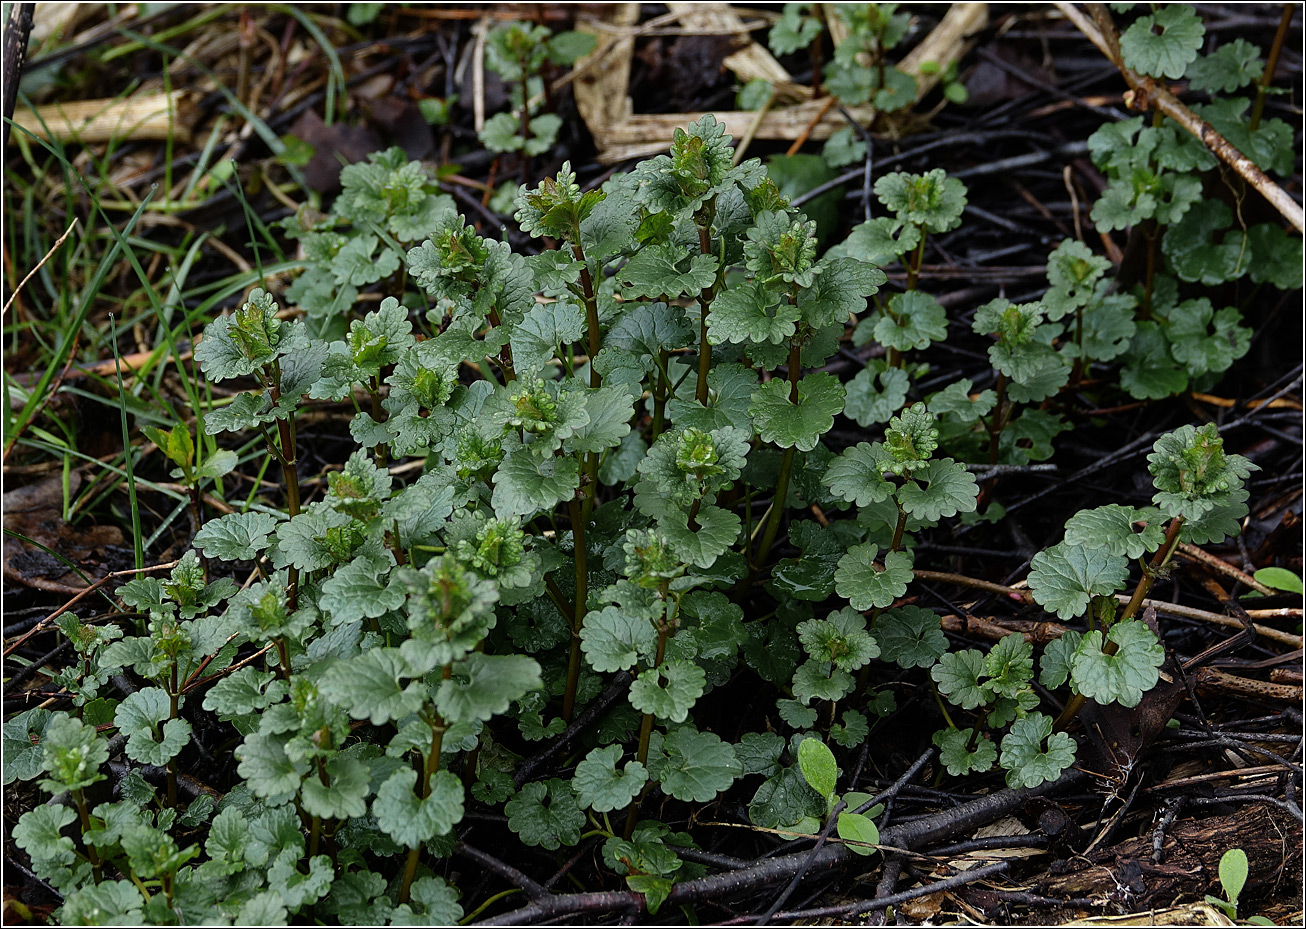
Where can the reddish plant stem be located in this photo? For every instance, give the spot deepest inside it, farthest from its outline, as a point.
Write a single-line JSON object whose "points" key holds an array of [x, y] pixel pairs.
{"points": [[505, 355], [424, 790], [578, 619], [1271, 64], [591, 307], [704, 302], [1151, 571]]}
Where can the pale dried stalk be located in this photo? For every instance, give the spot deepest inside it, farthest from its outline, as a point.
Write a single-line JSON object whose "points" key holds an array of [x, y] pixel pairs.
{"points": [[602, 87], [87, 122], [23, 283]]}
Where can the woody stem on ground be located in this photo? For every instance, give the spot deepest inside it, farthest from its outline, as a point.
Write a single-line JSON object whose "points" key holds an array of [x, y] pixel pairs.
{"points": [[429, 769], [1271, 64], [1151, 571], [578, 619]]}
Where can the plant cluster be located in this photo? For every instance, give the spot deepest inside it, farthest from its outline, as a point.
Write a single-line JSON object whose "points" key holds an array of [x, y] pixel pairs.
{"points": [[522, 55], [1190, 225], [859, 70], [614, 431]]}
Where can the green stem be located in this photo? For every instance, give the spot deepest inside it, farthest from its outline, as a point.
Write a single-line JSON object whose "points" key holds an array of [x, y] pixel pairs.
{"points": [[1077, 370], [290, 474], [283, 656], [174, 689], [578, 620], [315, 831], [79, 798], [379, 415], [197, 515], [424, 790], [645, 734], [1151, 571], [934, 688], [918, 259], [505, 355]]}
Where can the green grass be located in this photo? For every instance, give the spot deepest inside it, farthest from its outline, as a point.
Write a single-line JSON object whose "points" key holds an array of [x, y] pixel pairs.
{"points": [[125, 261]]}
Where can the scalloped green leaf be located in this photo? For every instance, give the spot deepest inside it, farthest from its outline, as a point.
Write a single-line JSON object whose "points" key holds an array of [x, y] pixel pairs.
{"points": [[1066, 576]]}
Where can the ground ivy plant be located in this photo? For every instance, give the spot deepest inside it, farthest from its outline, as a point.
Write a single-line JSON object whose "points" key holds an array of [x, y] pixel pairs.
{"points": [[611, 433]]}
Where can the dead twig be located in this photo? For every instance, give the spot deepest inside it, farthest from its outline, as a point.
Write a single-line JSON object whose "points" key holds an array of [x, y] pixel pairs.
{"points": [[23, 283], [82, 594]]}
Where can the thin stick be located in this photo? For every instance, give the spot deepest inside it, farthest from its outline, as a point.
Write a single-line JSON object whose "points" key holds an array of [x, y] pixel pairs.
{"points": [[23, 283], [816, 120], [1218, 619], [1193, 553], [45, 623], [747, 139]]}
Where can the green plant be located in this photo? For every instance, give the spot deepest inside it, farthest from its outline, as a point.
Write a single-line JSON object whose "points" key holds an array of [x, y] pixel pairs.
{"points": [[612, 432], [520, 54], [860, 71], [1279, 579], [386, 203], [1233, 877], [821, 772], [1191, 227]]}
